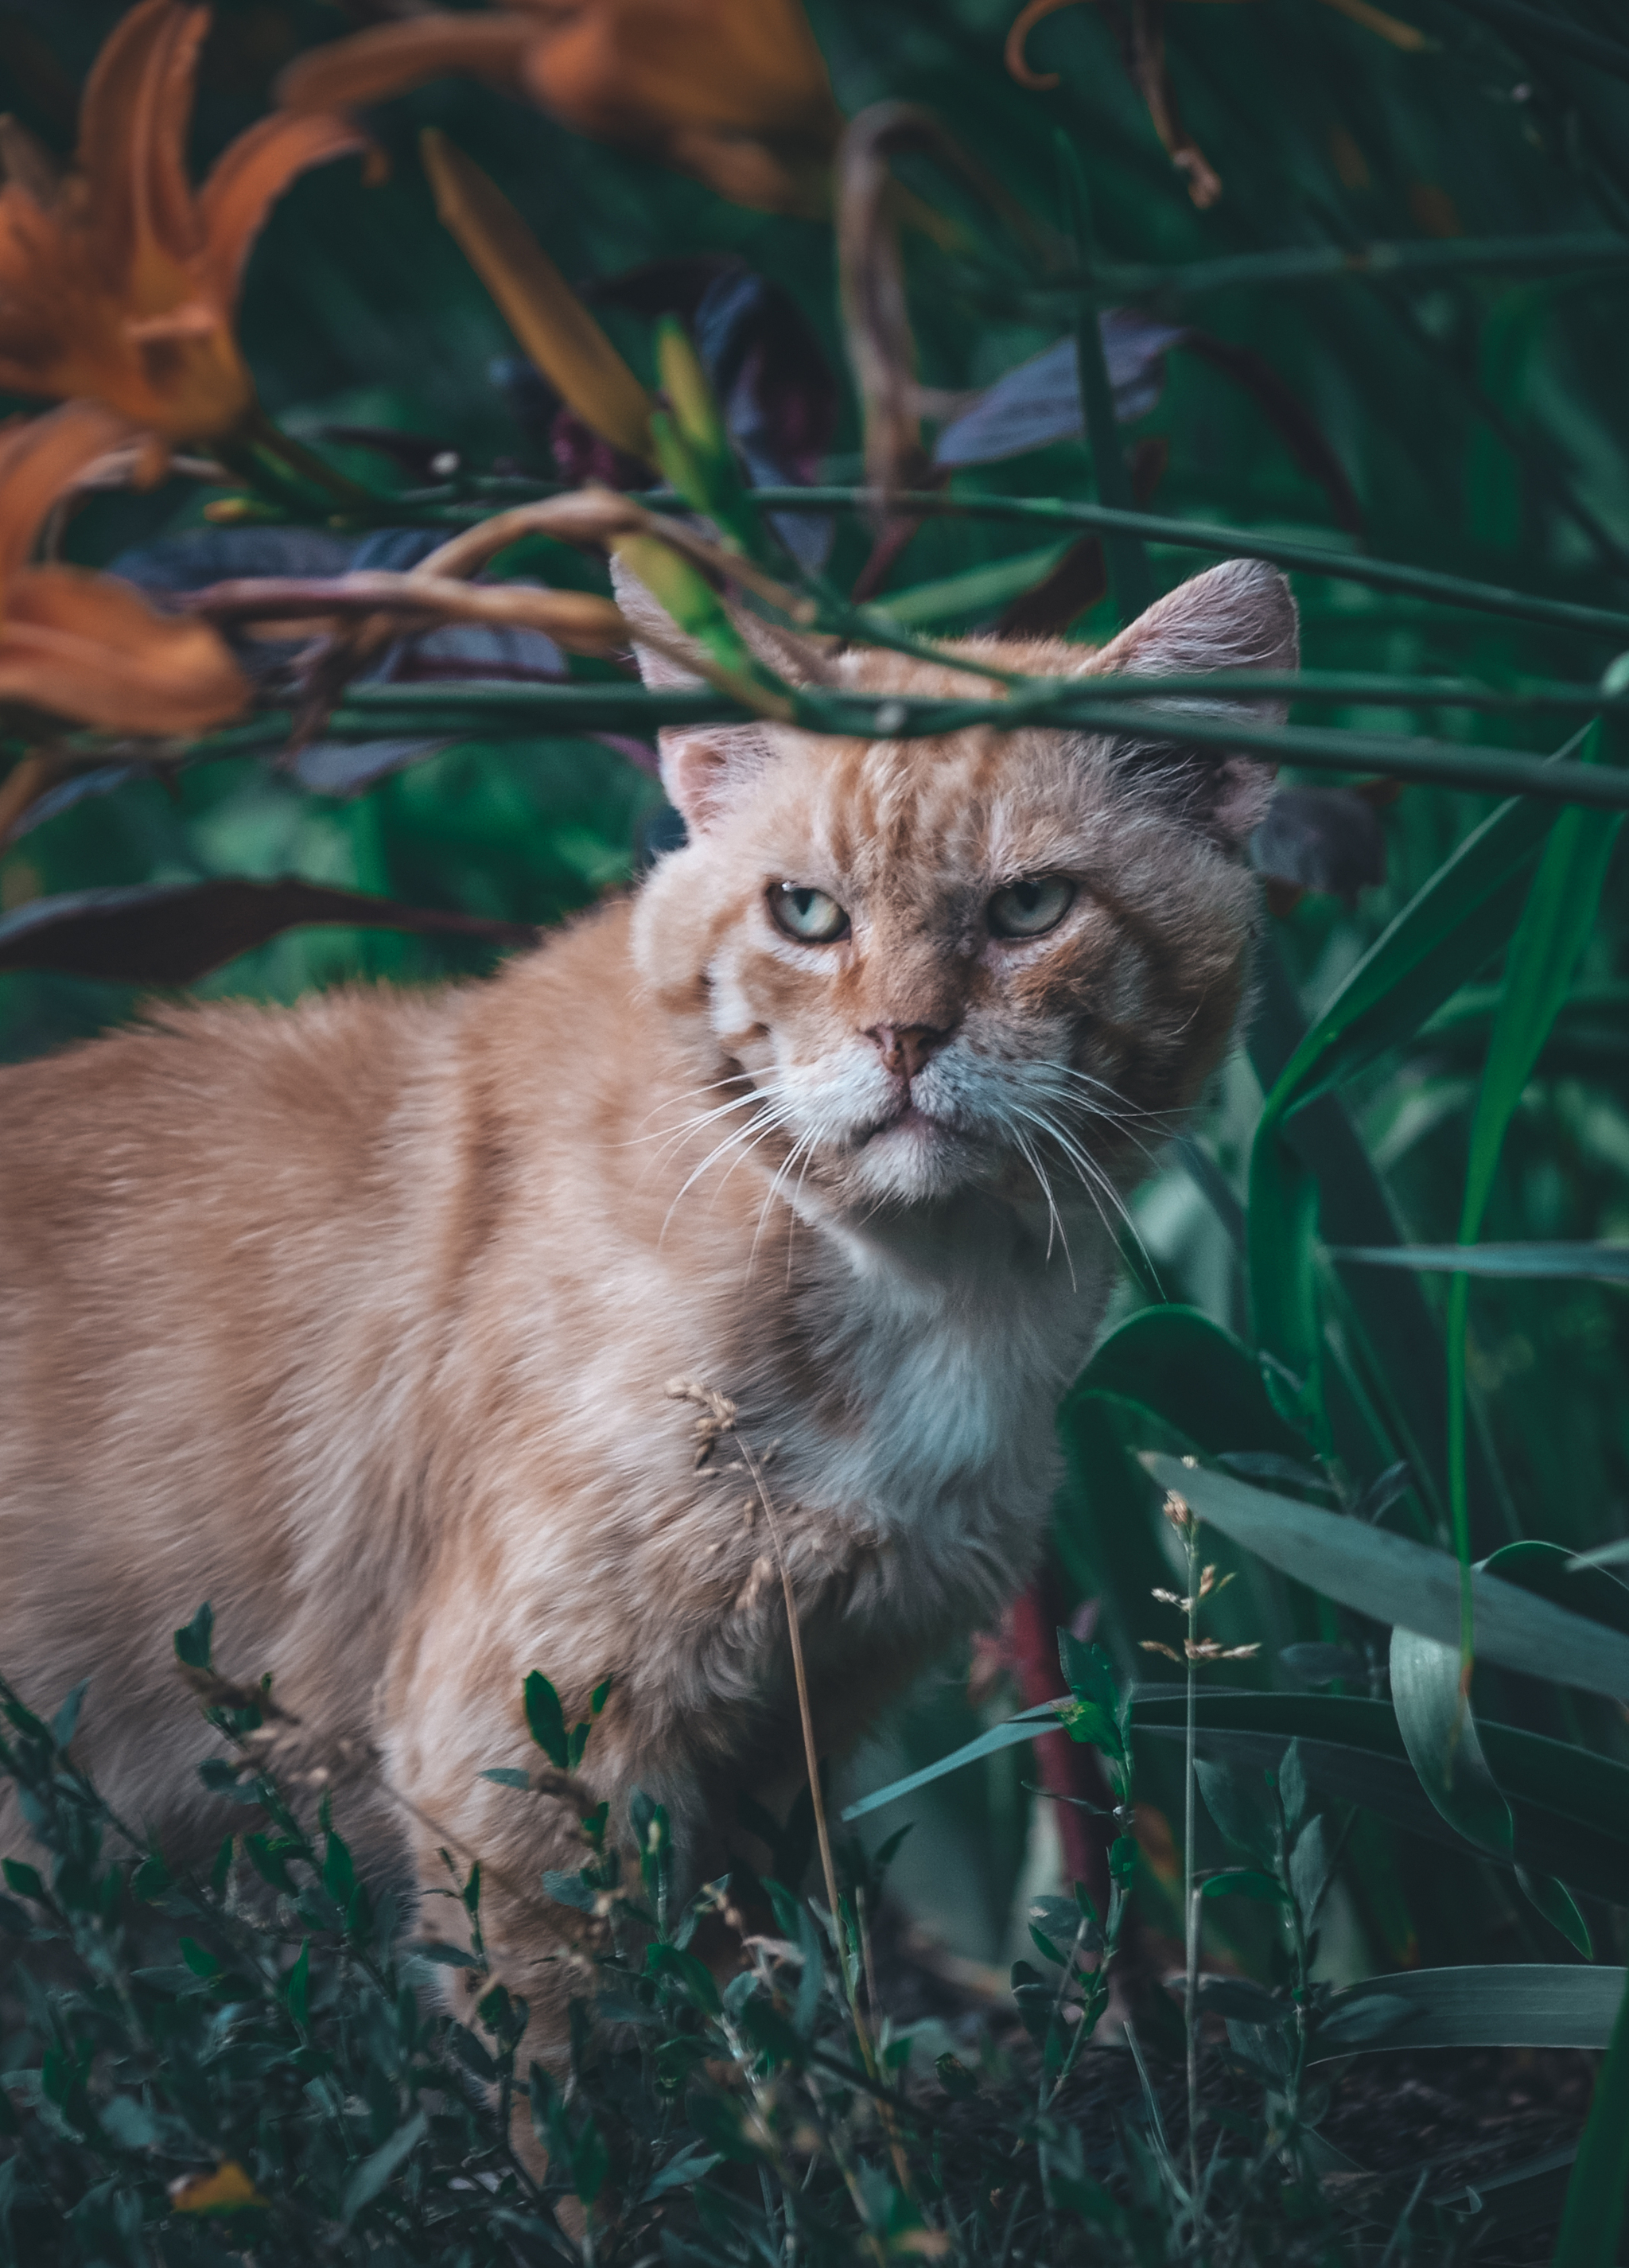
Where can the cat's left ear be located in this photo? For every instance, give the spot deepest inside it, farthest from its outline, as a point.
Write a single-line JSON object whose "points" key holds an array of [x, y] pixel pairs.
{"points": [[703, 766], [1236, 616]]}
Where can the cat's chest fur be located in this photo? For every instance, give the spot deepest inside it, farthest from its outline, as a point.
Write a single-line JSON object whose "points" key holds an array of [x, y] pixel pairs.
{"points": [[906, 1406], [947, 1344]]}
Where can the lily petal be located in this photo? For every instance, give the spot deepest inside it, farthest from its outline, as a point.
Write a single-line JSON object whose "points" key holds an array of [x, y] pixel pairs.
{"points": [[91, 648], [540, 306], [133, 125], [632, 68], [29, 165], [39, 458], [251, 174], [388, 58]]}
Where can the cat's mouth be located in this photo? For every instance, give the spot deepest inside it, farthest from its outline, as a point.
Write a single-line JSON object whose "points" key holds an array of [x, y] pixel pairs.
{"points": [[909, 1120]]}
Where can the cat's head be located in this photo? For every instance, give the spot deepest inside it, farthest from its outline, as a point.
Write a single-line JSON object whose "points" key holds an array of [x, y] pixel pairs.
{"points": [[990, 959]]}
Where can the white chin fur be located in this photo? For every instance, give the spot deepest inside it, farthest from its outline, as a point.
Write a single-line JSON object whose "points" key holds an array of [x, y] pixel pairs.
{"points": [[914, 1164]]}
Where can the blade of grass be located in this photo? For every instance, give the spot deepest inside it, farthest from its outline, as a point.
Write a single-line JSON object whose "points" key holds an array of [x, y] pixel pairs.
{"points": [[1592, 2219], [1555, 926]]}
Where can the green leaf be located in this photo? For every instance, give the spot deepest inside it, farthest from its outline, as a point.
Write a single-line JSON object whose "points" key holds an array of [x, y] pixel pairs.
{"points": [[25, 1880], [1439, 940], [1571, 1807], [194, 1639], [297, 1987], [1439, 1726], [67, 1717], [1512, 2004], [506, 1776], [546, 1720], [1240, 1809], [692, 2164], [1244, 1883], [1447, 930], [1569, 1263], [1439, 1732], [1555, 1902], [339, 1873], [374, 2172], [1196, 1376], [1029, 1726], [1592, 2219], [1554, 928], [975, 594], [1309, 1872], [1394, 1579]]}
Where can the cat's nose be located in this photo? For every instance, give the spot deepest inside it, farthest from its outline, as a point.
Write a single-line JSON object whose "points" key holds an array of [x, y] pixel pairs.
{"points": [[906, 1047]]}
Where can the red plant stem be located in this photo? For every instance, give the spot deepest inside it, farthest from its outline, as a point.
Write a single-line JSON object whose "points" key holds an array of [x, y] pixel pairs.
{"points": [[1068, 1768]]}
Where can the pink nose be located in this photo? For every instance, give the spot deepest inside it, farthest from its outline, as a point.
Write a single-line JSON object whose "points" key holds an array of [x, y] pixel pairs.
{"points": [[906, 1047]]}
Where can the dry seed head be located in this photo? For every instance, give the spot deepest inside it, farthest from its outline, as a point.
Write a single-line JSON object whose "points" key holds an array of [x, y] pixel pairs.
{"points": [[1158, 1645], [1176, 1511], [715, 1413]]}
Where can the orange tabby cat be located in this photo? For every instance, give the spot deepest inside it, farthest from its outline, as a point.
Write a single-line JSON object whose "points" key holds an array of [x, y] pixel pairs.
{"points": [[356, 1318]]}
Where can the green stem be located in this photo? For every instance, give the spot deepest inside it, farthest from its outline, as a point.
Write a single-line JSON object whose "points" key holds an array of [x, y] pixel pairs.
{"points": [[1190, 1895], [1227, 542], [370, 713], [1128, 558], [264, 434]]}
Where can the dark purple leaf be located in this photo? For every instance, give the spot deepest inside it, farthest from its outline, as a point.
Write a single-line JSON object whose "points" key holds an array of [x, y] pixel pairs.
{"points": [[1321, 838], [764, 362], [345, 768], [581, 455], [221, 555], [66, 793], [170, 933], [1040, 401]]}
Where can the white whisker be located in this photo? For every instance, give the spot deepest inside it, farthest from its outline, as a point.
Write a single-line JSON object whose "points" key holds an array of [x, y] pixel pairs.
{"points": [[1054, 1218]]}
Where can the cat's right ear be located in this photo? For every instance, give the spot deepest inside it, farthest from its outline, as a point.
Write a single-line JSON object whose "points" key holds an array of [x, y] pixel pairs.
{"points": [[703, 766]]}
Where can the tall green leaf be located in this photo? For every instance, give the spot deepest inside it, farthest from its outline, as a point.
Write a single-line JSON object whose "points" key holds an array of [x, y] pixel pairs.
{"points": [[1553, 930], [1395, 1580], [1592, 2219]]}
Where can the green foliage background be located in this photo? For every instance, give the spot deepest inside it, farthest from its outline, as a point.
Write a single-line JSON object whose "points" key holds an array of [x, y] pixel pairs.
{"points": [[1478, 416]]}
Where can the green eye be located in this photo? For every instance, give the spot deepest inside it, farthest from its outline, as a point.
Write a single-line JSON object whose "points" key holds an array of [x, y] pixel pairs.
{"points": [[1030, 908], [809, 916]]}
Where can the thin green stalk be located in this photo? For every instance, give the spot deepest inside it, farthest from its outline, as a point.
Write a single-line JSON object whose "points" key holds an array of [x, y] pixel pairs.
{"points": [[1128, 558], [371, 713], [265, 436], [1197, 535], [1325, 263], [1191, 1892]]}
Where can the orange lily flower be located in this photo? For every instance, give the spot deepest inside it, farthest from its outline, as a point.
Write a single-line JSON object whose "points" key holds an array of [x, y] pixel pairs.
{"points": [[84, 647], [117, 282], [734, 92]]}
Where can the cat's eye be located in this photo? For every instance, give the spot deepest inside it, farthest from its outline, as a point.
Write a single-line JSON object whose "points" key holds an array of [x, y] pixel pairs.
{"points": [[1032, 906], [809, 916]]}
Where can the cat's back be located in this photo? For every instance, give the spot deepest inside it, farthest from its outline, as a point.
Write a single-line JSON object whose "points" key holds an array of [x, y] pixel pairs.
{"points": [[192, 1125]]}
